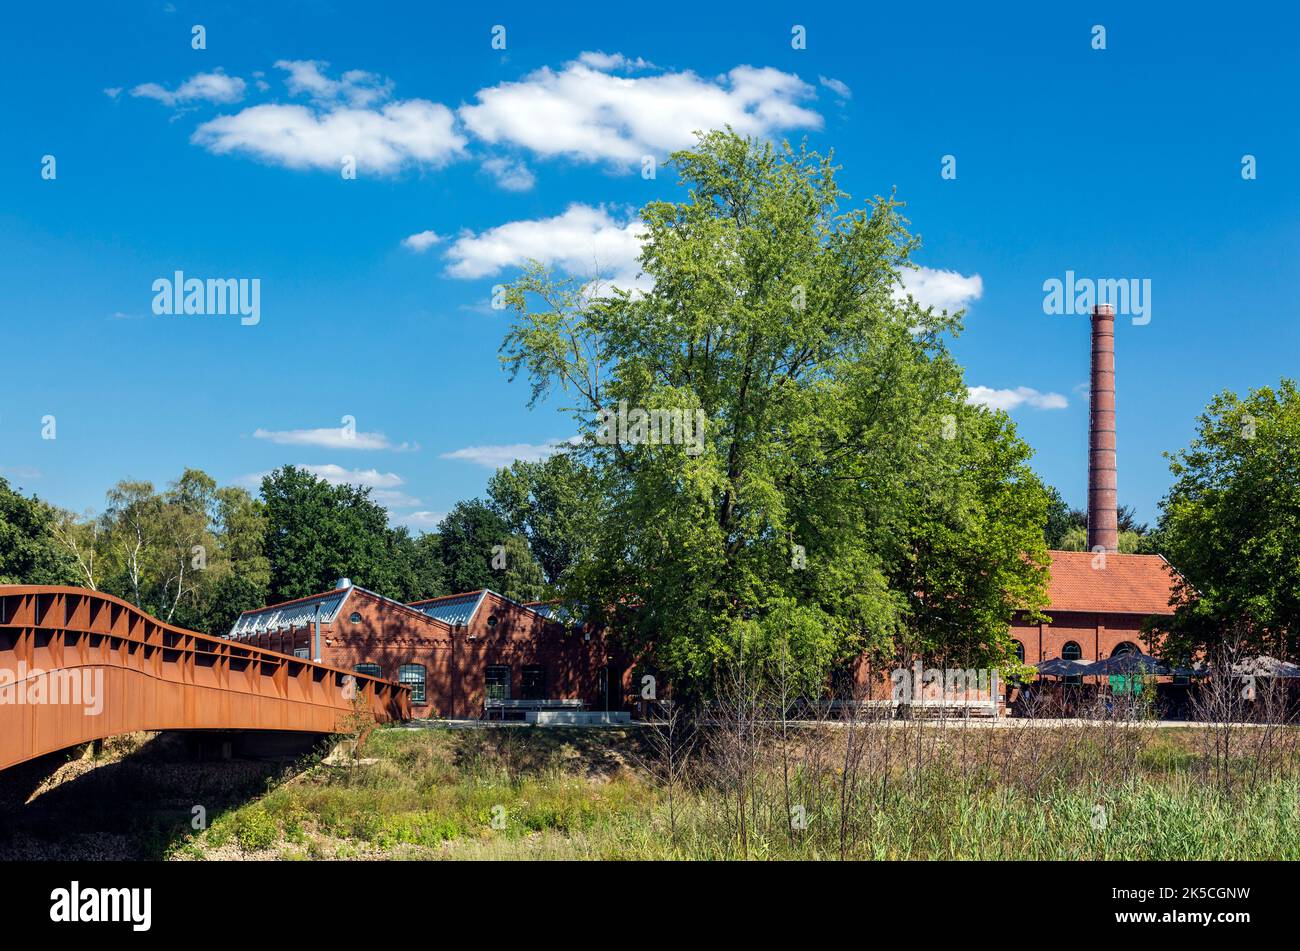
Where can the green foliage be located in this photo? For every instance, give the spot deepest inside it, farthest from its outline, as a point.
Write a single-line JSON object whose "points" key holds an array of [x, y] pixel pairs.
{"points": [[1061, 521], [846, 496], [255, 829], [318, 533], [468, 540], [1230, 524], [29, 551], [549, 504]]}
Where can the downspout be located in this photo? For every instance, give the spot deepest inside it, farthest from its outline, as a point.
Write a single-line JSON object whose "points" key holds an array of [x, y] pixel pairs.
{"points": [[315, 652]]}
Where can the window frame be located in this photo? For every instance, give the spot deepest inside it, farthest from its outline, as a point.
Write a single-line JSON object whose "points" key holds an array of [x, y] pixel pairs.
{"points": [[526, 690], [402, 671], [488, 685], [377, 672]]}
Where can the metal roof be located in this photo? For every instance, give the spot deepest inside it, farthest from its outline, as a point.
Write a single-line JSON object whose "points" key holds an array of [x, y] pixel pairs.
{"points": [[291, 614], [453, 609]]}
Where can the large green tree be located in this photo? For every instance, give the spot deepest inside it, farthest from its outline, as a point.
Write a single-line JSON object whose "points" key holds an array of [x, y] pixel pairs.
{"points": [[550, 504], [843, 495], [318, 532], [1230, 524], [478, 550], [29, 550]]}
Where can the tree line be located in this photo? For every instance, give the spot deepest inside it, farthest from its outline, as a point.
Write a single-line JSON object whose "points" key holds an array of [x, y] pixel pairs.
{"points": [[196, 554]]}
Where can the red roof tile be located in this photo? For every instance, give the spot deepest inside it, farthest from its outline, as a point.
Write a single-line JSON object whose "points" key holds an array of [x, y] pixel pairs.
{"points": [[1129, 584]]}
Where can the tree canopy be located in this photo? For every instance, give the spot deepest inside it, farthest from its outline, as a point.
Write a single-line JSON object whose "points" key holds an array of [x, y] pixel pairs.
{"points": [[29, 553], [844, 495], [1230, 524]]}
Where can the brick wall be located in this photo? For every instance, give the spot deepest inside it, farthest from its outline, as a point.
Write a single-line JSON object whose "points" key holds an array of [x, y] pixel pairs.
{"points": [[456, 659]]}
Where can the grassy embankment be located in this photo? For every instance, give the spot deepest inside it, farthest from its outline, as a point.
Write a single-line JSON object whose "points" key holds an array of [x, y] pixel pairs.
{"points": [[916, 791]]}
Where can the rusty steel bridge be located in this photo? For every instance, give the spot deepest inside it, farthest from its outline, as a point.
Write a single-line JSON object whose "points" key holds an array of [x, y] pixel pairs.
{"points": [[78, 665]]}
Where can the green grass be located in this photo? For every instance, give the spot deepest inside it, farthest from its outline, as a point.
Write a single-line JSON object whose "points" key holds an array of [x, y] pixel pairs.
{"points": [[519, 794]]}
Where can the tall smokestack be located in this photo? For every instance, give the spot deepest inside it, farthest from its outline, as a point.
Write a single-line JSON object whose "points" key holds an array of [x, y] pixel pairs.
{"points": [[1103, 514]]}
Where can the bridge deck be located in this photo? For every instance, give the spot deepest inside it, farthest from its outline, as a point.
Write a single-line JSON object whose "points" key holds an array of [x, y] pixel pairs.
{"points": [[78, 665]]}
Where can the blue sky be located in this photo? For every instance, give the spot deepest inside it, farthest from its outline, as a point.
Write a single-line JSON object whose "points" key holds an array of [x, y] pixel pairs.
{"points": [[1123, 162]]}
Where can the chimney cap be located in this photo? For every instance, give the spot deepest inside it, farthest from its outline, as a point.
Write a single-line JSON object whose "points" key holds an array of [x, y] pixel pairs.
{"points": [[1103, 310], [343, 583]]}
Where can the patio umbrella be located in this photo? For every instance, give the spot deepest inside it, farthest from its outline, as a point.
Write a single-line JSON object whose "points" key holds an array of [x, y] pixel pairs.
{"points": [[1132, 663], [1265, 666], [1060, 667]]}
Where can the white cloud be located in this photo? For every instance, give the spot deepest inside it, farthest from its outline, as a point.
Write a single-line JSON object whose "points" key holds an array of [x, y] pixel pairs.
{"points": [[1013, 399], [381, 141], [585, 112], [945, 290], [494, 457], [367, 478], [583, 241], [215, 86], [836, 86], [608, 62], [421, 242], [356, 87], [391, 499], [511, 175], [112, 92], [421, 521], [384, 486], [331, 438], [20, 472]]}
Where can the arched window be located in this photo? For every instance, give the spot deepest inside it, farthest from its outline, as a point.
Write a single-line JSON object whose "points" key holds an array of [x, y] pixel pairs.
{"points": [[1124, 648], [413, 676], [1072, 651], [370, 670], [1020, 651]]}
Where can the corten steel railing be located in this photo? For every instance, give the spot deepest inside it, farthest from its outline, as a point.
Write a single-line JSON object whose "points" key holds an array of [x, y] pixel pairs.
{"points": [[64, 652]]}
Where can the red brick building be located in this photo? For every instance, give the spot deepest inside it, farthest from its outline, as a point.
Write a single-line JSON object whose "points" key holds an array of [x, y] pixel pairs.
{"points": [[1097, 603], [452, 650]]}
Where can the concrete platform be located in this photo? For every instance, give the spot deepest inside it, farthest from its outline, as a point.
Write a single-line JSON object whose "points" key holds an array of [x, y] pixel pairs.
{"points": [[578, 718]]}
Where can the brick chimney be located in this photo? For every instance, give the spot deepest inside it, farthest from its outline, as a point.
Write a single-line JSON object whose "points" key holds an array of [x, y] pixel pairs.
{"points": [[1103, 515]]}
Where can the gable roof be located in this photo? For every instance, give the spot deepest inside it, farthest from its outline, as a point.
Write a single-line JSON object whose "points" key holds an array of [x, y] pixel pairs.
{"points": [[1129, 584], [459, 609], [454, 609], [297, 613], [301, 612]]}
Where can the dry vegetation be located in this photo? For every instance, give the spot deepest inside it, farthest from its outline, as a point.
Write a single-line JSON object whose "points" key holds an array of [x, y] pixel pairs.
{"points": [[739, 782]]}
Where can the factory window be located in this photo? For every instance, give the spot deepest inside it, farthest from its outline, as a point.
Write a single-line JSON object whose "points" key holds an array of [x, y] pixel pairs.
{"points": [[1072, 651], [532, 685], [413, 676], [492, 620], [300, 652], [370, 670], [1124, 648], [1020, 651], [356, 617], [497, 682]]}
